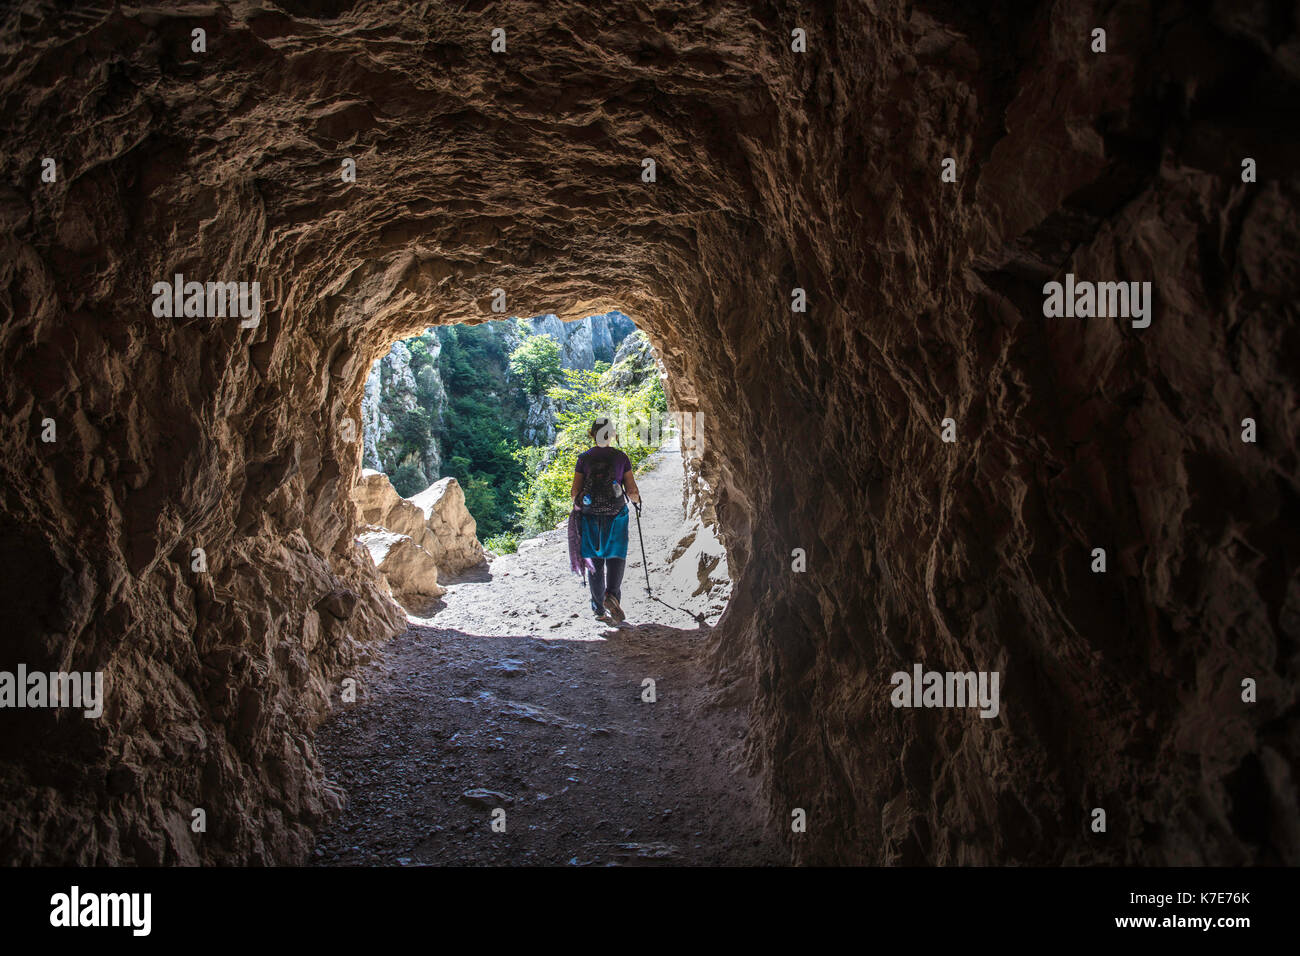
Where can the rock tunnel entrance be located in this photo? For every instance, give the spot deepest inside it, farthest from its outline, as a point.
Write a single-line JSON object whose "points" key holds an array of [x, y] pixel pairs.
{"points": [[522, 703], [837, 251], [469, 437]]}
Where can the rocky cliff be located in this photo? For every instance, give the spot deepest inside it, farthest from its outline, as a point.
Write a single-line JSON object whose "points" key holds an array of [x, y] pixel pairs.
{"points": [[585, 342], [919, 170], [391, 388], [412, 540]]}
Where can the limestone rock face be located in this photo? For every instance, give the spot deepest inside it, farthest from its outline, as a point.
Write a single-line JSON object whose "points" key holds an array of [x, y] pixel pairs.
{"points": [[391, 387], [698, 580], [436, 520], [411, 539], [409, 570], [776, 170], [451, 528], [583, 342], [540, 420], [379, 505], [633, 363]]}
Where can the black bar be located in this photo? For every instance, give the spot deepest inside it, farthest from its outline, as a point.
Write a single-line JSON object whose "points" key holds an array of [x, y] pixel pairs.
{"points": [[656, 907]]}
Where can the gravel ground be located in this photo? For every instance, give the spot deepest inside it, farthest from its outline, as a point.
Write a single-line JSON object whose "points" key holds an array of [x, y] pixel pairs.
{"points": [[512, 698]]}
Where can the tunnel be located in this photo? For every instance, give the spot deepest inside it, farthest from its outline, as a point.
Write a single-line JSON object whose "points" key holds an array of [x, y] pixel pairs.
{"points": [[836, 222]]}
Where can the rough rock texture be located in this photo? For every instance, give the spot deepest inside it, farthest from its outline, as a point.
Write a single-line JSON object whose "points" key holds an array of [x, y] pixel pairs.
{"points": [[451, 527], [436, 520], [391, 385], [540, 420], [582, 343], [775, 170], [409, 571]]}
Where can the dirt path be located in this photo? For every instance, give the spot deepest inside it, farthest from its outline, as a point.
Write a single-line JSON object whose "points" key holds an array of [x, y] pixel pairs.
{"points": [[533, 592], [513, 697]]}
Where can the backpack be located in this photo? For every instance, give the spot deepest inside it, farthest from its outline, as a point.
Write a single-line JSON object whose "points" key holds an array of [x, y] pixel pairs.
{"points": [[601, 494]]}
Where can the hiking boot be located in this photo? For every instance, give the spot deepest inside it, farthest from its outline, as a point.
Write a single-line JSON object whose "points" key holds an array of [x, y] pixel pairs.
{"points": [[615, 609]]}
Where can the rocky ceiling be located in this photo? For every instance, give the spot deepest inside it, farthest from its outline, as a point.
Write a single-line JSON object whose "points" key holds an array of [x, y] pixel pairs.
{"points": [[774, 169]]}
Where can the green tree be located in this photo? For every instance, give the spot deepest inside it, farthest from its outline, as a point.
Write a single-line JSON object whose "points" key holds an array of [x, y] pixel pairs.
{"points": [[412, 428], [457, 372], [481, 499], [419, 349], [536, 363], [543, 498], [409, 478], [426, 388]]}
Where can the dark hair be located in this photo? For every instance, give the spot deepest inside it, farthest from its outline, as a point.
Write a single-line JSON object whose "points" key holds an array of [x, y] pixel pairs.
{"points": [[598, 425]]}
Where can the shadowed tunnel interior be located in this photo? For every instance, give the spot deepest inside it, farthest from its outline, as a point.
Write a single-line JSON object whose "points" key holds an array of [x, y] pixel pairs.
{"points": [[775, 170]]}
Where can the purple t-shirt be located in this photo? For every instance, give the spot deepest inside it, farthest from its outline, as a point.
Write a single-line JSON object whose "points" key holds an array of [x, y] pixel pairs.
{"points": [[622, 464]]}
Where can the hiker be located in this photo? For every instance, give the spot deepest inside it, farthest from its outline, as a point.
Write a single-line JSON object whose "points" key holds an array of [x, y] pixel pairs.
{"points": [[602, 481]]}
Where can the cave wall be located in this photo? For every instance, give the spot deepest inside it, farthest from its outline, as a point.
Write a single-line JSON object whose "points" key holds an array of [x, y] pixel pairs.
{"points": [[820, 170]]}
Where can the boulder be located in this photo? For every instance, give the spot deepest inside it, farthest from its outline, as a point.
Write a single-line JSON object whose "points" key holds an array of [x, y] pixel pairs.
{"points": [[409, 570], [451, 530], [381, 506], [436, 520]]}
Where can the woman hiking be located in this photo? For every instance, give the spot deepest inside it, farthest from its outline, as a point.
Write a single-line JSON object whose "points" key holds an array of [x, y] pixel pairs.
{"points": [[602, 480]]}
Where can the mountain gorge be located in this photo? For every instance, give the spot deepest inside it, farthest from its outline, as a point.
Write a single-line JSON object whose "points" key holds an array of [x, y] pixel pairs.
{"points": [[445, 403]]}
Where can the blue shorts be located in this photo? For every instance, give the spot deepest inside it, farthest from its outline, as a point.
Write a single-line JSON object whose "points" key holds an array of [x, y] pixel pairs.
{"points": [[605, 536]]}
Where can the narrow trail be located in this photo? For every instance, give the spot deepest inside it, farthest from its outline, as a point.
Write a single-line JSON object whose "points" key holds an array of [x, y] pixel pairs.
{"points": [[533, 592], [512, 696]]}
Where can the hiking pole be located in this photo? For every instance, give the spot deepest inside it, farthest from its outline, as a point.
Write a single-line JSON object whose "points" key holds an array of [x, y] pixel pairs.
{"points": [[645, 566]]}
